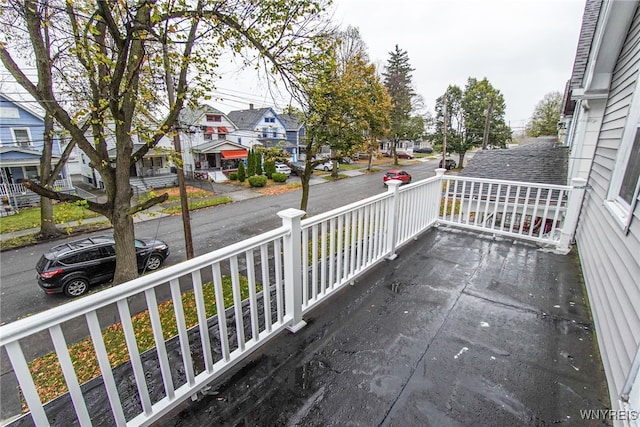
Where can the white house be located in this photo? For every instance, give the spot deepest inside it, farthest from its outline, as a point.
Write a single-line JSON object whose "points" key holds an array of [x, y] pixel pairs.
{"points": [[602, 114]]}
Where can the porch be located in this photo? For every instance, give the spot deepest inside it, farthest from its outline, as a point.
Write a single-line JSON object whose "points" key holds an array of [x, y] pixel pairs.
{"points": [[417, 304], [16, 195]]}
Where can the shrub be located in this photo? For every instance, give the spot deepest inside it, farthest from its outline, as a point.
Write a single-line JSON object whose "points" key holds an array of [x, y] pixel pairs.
{"points": [[258, 181], [233, 176], [270, 169], [241, 174], [279, 177]]}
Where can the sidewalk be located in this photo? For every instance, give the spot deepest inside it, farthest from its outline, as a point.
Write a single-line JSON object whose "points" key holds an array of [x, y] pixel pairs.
{"points": [[236, 194]]}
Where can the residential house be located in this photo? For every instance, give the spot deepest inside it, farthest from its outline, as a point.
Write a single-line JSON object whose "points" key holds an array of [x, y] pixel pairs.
{"points": [[155, 170], [207, 137], [295, 135], [21, 142], [602, 117], [263, 126]]}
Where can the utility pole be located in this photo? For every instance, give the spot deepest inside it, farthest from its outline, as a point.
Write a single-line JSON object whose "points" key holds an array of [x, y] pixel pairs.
{"points": [[184, 203], [444, 132], [487, 124]]}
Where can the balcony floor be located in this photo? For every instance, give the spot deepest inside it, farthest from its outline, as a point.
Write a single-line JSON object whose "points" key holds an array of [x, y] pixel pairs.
{"points": [[460, 329]]}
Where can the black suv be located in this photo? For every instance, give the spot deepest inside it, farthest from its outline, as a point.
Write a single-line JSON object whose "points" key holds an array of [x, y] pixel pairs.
{"points": [[72, 267], [448, 164]]}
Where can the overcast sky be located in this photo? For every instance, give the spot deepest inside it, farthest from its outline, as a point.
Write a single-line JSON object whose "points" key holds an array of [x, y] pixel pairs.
{"points": [[525, 48]]}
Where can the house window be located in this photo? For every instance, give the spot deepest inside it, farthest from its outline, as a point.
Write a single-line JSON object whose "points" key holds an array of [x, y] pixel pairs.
{"points": [[21, 137], [275, 134], [214, 118], [269, 119], [265, 132], [31, 172], [625, 179], [629, 188]]}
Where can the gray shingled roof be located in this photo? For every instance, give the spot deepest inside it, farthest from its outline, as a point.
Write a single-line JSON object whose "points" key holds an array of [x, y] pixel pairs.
{"points": [[190, 116], [290, 121], [543, 162], [247, 119], [585, 41]]}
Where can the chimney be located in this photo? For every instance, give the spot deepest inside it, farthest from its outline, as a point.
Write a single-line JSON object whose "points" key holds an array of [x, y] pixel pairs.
{"points": [[250, 106]]}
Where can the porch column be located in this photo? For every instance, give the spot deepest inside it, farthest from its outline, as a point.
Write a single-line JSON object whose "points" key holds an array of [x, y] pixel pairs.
{"points": [[293, 268], [392, 225], [574, 204]]}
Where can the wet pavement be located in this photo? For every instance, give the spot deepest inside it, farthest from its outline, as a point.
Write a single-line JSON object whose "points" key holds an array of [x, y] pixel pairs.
{"points": [[460, 329]]}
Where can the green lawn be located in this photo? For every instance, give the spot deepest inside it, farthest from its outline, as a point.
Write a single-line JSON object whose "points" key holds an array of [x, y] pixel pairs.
{"points": [[30, 217]]}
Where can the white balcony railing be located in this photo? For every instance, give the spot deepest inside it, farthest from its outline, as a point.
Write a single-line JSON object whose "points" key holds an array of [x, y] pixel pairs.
{"points": [[256, 288]]}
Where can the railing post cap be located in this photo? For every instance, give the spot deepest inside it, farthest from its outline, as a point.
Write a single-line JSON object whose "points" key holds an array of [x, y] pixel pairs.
{"points": [[291, 213], [578, 182], [393, 184], [440, 172]]}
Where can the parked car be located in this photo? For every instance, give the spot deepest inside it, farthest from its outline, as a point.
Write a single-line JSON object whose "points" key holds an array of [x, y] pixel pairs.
{"points": [[74, 266], [283, 168], [427, 150], [399, 174], [448, 164], [297, 165], [401, 155], [326, 166]]}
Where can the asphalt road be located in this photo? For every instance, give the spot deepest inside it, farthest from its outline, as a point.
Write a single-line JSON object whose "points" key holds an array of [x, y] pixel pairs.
{"points": [[212, 228]]}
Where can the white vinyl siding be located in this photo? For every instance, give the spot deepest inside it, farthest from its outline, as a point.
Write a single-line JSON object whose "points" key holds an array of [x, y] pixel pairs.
{"points": [[610, 257]]}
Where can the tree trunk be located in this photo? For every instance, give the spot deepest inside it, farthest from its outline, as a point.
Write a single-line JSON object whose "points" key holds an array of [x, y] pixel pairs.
{"points": [[123, 234], [461, 159], [48, 227], [305, 178], [370, 159]]}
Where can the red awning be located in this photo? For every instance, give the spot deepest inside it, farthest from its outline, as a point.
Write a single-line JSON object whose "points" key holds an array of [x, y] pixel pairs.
{"points": [[222, 129], [209, 130], [234, 154]]}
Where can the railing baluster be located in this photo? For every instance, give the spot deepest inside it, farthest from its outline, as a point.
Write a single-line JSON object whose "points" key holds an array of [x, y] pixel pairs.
{"points": [[339, 255], [525, 207], [27, 386], [183, 336], [366, 235], [222, 315], [237, 302], [314, 262], [266, 286], [359, 240], [354, 243], [161, 349], [134, 355], [277, 250], [469, 203], [70, 377], [306, 264], [253, 299], [534, 214], [556, 215], [198, 292], [332, 252], [462, 196], [323, 258], [479, 197], [516, 203]]}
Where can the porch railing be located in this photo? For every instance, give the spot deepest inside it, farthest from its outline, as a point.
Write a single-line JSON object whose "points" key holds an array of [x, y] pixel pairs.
{"points": [[247, 293], [19, 189]]}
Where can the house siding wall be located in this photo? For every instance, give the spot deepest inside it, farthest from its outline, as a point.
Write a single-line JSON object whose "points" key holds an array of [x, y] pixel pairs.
{"points": [[610, 258]]}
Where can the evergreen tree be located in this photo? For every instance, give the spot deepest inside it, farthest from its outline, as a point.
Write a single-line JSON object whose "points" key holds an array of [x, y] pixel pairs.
{"points": [[397, 79], [251, 163], [241, 172]]}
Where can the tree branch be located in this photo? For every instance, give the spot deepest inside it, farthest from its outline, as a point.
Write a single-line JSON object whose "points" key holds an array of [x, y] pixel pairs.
{"points": [[101, 208], [148, 203]]}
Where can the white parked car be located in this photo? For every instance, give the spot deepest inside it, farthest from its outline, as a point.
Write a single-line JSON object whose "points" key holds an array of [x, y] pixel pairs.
{"points": [[283, 168], [327, 166]]}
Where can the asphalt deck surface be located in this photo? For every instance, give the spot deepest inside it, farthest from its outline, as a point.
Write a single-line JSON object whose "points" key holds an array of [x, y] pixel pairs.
{"points": [[460, 329]]}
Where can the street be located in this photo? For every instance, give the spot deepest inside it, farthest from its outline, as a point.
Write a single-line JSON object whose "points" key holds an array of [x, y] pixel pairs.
{"points": [[212, 229]]}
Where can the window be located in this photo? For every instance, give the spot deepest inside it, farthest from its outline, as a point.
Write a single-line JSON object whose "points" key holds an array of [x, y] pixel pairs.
{"points": [[265, 132], [214, 118], [21, 137], [31, 172], [625, 179], [269, 119]]}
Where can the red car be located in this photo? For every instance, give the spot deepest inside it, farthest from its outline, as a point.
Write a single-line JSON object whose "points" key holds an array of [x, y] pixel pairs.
{"points": [[399, 174], [404, 155]]}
